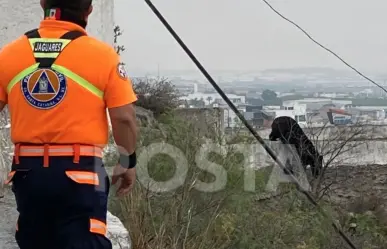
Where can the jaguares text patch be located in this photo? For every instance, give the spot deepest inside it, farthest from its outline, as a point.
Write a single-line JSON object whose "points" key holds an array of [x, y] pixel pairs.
{"points": [[48, 47]]}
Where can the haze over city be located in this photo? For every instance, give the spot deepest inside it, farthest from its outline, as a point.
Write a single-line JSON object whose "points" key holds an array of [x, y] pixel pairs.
{"points": [[247, 35]]}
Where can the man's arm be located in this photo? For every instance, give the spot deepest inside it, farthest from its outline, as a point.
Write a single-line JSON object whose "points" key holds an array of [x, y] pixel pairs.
{"points": [[119, 98], [123, 120]]}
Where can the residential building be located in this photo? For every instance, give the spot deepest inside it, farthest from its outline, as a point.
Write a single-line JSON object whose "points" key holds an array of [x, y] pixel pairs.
{"points": [[262, 119], [250, 110]]}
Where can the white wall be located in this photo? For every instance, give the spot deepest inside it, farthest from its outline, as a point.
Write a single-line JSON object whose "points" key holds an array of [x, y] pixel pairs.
{"points": [[236, 99], [354, 153], [300, 109], [18, 17], [357, 154], [331, 132]]}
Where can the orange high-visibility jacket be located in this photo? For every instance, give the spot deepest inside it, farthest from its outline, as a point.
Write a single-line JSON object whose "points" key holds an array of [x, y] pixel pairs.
{"points": [[66, 102]]}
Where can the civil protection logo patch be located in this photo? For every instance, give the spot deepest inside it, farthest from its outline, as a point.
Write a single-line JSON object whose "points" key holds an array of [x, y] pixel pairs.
{"points": [[44, 88], [122, 71]]}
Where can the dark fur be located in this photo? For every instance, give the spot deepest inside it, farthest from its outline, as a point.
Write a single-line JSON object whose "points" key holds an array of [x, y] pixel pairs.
{"points": [[289, 132]]}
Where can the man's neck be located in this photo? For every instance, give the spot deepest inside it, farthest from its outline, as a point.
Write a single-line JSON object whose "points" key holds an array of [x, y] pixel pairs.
{"points": [[64, 15]]}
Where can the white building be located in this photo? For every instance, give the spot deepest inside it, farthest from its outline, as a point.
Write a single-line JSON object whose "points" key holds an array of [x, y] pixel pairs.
{"points": [[271, 107], [303, 110], [298, 113], [315, 103], [195, 85], [289, 104]]}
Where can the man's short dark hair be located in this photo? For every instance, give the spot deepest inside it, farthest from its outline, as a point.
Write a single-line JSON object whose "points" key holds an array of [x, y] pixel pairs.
{"points": [[81, 5]]}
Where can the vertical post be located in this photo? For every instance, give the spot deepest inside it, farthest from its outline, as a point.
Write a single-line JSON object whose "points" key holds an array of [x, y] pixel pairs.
{"points": [[102, 20]]}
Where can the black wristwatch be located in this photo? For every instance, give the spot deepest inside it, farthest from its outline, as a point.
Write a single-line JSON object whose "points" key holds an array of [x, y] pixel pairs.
{"points": [[128, 162]]}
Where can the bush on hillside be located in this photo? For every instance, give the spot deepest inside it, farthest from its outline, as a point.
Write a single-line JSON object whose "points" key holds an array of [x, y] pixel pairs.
{"points": [[157, 95]]}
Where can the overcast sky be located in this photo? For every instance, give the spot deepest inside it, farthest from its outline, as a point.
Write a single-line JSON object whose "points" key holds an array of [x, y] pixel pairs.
{"points": [[247, 35]]}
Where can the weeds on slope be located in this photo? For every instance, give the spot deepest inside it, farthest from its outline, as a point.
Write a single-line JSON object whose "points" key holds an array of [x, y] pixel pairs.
{"points": [[187, 217]]}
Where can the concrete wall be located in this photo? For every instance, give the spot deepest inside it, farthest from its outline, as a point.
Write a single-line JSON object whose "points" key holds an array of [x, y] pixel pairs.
{"points": [[351, 146], [351, 154], [364, 132], [362, 144], [208, 121], [17, 17]]}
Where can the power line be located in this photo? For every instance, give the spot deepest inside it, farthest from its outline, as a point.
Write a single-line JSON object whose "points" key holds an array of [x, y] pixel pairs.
{"points": [[243, 120], [323, 47]]}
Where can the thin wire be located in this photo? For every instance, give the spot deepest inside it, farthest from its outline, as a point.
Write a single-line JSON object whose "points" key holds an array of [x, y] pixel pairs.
{"points": [[244, 121], [323, 47]]}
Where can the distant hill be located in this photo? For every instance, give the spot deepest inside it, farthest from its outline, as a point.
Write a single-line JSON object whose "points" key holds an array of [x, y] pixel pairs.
{"points": [[309, 70], [355, 101], [367, 101]]}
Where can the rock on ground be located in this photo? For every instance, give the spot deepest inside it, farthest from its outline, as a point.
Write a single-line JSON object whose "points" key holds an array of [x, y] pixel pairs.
{"points": [[116, 231], [8, 221]]}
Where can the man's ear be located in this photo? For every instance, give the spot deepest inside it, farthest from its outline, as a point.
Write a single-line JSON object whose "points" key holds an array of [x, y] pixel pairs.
{"points": [[90, 10], [43, 3]]}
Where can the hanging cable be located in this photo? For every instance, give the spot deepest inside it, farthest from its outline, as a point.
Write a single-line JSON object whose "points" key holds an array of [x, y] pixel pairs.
{"points": [[323, 47], [244, 121]]}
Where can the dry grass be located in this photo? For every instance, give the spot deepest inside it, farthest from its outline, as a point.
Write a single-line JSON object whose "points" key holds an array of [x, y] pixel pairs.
{"points": [[185, 218]]}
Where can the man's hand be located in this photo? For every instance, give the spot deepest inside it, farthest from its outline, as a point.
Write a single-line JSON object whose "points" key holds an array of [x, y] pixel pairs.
{"points": [[128, 179]]}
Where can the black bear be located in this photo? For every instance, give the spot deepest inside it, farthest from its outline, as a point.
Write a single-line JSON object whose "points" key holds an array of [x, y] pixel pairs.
{"points": [[289, 132]]}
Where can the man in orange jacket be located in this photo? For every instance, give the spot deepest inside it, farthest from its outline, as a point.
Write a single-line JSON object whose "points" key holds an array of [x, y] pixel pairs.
{"points": [[58, 83]]}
